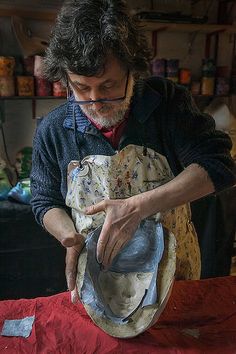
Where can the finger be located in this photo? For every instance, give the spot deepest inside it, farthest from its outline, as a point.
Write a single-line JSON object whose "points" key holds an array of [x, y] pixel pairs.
{"points": [[111, 253], [102, 243], [74, 295], [71, 267], [93, 209]]}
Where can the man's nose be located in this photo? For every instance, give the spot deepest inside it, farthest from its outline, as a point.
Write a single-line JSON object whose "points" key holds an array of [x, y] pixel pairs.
{"points": [[95, 95]]}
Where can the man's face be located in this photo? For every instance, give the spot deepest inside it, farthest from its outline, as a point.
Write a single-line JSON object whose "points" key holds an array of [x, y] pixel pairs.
{"points": [[114, 82]]}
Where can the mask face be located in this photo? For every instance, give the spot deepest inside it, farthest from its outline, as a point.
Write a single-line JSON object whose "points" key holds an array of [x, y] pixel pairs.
{"points": [[119, 299], [122, 292]]}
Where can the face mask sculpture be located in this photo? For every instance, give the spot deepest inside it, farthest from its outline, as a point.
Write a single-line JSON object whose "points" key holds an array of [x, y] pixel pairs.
{"points": [[129, 297]]}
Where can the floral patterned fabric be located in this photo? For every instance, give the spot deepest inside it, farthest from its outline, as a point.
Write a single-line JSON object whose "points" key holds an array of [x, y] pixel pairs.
{"points": [[131, 171]]}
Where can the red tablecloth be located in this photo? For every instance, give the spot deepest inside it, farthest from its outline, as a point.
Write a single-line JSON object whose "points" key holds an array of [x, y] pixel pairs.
{"points": [[200, 317]]}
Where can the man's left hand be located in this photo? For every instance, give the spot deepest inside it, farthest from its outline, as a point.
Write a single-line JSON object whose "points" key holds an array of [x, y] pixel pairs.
{"points": [[122, 220]]}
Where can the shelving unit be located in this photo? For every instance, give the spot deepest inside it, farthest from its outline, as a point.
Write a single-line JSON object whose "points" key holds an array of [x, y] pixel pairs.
{"points": [[186, 27], [33, 100]]}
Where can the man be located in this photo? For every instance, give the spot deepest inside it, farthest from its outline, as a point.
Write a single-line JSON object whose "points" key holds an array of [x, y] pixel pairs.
{"points": [[97, 50]]}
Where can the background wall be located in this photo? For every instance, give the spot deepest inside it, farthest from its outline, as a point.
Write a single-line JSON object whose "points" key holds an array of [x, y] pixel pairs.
{"points": [[19, 126]]}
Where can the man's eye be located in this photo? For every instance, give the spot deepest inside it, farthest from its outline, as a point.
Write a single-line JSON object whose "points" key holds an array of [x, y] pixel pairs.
{"points": [[83, 89], [108, 87]]}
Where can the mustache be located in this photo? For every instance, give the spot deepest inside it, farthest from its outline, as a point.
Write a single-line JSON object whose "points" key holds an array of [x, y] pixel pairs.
{"points": [[103, 109]]}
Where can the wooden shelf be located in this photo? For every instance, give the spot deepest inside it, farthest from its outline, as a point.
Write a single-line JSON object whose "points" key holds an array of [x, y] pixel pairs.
{"points": [[186, 27], [31, 98], [150, 25], [30, 13]]}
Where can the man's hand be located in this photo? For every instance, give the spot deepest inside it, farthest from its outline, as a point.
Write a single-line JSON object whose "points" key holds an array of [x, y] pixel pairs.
{"points": [[60, 225], [122, 220], [74, 247]]}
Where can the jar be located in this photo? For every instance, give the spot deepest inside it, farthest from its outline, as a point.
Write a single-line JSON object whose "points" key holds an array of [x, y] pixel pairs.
{"points": [[208, 86], [7, 66], [25, 85], [7, 86], [184, 76], [43, 87], [158, 67]]}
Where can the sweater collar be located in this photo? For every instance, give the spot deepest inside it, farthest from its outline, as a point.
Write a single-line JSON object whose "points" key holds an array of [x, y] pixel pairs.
{"points": [[144, 102]]}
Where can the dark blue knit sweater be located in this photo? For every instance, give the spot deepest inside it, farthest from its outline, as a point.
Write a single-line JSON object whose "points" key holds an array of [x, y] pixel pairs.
{"points": [[163, 117]]}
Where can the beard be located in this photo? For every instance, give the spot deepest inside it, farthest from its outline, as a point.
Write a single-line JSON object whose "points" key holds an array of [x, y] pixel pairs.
{"points": [[117, 110]]}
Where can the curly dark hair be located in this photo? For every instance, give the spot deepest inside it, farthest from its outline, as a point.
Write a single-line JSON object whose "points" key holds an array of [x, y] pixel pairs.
{"points": [[87, 31]]}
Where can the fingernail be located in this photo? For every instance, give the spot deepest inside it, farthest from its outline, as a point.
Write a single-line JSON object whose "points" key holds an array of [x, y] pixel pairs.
{"points": [[73, 298]]}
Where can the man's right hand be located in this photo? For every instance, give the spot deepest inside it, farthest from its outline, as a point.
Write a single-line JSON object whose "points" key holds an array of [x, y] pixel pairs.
{"points": [[72, 254], [58, 223]]}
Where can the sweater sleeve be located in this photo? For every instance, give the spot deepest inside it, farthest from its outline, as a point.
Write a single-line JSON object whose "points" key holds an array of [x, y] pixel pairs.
{"points": [[45, 179], [197, 141]]}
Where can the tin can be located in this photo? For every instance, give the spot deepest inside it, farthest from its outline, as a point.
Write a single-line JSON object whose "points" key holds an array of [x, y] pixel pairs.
{"points": [[172, 67], [25, 85], [222, 86], [43, 87], [208, 86], [7, 86], [184, 76], [7, 66], [158, 67], [38, 66], [58, 89], [28, 64]]}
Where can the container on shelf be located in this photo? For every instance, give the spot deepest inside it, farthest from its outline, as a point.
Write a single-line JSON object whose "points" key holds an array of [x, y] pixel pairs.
{"points": [[158, 67], [7, 86], [25, 85], [58, 89], [43, 87], [185, 76], [38, 66], [7, 66], [28, 64], [208, 77], [222, 86], [208, 86], [172, 67]]}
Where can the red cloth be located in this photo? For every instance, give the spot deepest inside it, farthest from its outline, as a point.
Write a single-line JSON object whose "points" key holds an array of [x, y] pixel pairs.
{"points": [[200, 317]]}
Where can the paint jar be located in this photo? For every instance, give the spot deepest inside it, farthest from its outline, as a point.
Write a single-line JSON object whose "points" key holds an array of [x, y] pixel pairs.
{"points": [[208, 86], [7, 86], [25, 85], [42, 87], [38, 66], [7, 66], [58, 89], [158, 67], [185, 76], [222, 86], [28, 64]]}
